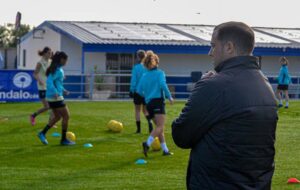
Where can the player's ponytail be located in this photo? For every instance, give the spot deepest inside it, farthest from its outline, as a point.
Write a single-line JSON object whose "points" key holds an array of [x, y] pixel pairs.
{"points": [[151, 60], [56, 62], [44, 51]]}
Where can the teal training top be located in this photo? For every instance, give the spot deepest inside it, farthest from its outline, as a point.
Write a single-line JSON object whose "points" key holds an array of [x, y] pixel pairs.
{"points": [[153, 85], [136, 74], [55, 85]]}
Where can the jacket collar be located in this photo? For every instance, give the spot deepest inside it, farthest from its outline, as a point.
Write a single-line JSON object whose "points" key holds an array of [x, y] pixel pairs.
{"points": [[248, 61]]}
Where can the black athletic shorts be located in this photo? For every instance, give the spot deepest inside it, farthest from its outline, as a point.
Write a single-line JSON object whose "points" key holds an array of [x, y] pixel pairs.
{"points": [[58, 104], [282, 87], [156, 106], [138, 99], [42, 94]]}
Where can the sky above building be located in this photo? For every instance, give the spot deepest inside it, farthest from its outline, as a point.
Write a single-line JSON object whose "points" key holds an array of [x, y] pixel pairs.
{"points": [[269, 13]]}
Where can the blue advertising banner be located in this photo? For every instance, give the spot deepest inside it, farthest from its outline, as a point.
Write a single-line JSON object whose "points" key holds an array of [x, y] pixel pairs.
{"points": [[18, 86]]}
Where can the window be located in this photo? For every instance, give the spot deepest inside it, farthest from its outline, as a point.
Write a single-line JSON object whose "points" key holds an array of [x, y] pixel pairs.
{"points": [[120, 64], [24, 57]]}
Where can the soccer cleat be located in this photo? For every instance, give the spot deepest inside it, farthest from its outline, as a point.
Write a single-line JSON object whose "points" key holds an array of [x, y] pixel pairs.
{"points": [[42, 138], [279, 105], [145, 149], [286, 107], [168, 153], [32, 120], [138, 130], [67, 142]]}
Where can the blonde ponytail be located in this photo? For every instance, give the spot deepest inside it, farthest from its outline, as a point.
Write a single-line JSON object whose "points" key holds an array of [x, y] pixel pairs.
{"points": [[151, 60]]}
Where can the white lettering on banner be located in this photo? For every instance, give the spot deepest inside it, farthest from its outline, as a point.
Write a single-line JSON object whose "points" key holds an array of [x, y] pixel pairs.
{"points": [[18, 95]]}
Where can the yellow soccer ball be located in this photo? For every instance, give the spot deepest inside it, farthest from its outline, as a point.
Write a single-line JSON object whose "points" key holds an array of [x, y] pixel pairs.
{"points": [[71, 136], [115, 126], [156, 144], [111, 123]]}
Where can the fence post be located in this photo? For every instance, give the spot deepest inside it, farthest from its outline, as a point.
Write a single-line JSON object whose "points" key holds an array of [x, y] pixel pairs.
{"points": [[92, 80]]}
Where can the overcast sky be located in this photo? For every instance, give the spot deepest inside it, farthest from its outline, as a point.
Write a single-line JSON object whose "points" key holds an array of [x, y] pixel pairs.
{"points": [[276, 13]]}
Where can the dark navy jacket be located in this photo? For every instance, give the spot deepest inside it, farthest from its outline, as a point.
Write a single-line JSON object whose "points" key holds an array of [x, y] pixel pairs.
{"points": [[229, 124]]}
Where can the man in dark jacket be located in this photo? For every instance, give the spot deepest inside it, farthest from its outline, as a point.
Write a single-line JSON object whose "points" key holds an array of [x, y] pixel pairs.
{"points": [[230, 119]]}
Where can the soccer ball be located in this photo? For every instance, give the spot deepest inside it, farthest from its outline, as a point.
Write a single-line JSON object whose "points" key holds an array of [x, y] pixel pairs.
{"points": [[111, 123], [115, 126], [156, 144], [71, 136]]}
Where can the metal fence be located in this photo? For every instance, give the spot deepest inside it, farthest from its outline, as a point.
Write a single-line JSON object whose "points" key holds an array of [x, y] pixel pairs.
{"points": [[114, 86]]}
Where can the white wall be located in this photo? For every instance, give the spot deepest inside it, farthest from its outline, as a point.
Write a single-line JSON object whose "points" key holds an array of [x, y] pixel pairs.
{"points": [[32, 46], [184, 64], [73, 50], [95, 59], [8, 54], [11, 58]]}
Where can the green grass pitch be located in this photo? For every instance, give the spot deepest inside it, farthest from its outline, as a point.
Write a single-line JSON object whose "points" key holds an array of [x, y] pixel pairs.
{"points": [[27, 164]]}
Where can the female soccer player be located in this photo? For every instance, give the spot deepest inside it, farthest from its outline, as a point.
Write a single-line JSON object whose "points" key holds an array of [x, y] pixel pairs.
{"points": [[40, 75], [139, 102], [55, 97], [284, 80], [154, 88]]}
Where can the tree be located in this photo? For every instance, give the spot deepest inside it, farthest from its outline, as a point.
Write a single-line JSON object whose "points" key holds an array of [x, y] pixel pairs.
{"points": [[9, 35], [3, 37], [17, 34]]}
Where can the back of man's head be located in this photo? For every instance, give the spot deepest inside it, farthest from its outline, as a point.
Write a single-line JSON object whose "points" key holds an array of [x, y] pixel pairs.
{"points": [[240, 34]]}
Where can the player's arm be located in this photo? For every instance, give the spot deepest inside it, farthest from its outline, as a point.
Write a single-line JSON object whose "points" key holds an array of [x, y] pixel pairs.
{"points": [[288, 76], [164, 86], [36, 74], [51, 86], [133, 80], [140, 87]]}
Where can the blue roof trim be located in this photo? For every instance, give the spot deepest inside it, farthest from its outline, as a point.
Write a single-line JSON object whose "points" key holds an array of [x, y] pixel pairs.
{"points": [[121, 48], [276, 52], [54, 28]]}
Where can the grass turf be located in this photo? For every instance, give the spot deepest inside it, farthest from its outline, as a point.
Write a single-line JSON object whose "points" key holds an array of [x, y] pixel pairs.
{"points": [[27, 164]]}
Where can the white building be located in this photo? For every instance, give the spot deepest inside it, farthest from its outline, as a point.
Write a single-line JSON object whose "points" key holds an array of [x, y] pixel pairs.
{"points": [[182, 48]]}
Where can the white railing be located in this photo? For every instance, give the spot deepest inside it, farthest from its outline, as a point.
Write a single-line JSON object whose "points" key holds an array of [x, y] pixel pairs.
{"points": [[108, 86]]}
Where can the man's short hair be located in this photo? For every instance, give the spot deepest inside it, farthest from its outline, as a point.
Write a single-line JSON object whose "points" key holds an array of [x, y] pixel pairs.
{"points": [[240, 34]]}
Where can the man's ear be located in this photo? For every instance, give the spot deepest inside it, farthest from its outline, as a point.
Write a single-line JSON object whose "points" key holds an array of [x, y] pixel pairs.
{"points": [[230, 48]]}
